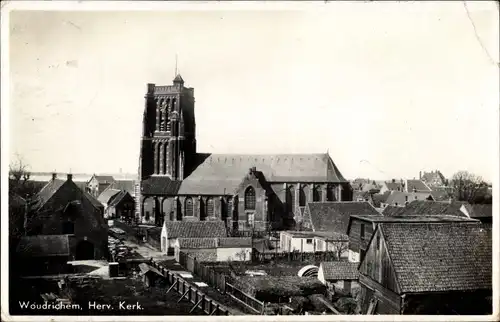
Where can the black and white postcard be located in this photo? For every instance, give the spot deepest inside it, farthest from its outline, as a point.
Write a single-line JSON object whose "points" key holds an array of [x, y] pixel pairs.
{"points": [[272, 160]]}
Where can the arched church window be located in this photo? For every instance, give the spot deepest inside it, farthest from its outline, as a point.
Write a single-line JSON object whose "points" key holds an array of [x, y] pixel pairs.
{"points": [[250, 198], [316, 194], [188, 207], [210, 207], [302, 196], [290, 198], [329, 194]]}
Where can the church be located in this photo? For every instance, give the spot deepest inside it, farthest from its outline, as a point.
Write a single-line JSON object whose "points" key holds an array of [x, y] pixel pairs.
{"points": [[247, 192]]}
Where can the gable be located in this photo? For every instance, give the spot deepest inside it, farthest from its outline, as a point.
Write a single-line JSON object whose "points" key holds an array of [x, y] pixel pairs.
{"points": [[377, 263]]}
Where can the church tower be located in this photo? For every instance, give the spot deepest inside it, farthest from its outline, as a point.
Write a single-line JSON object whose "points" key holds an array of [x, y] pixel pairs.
{"points": [[168, 144]]}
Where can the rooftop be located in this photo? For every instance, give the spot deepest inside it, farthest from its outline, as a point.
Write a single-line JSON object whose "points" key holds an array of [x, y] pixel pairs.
{"points": [[340, 270], [415, 218], [440, 257]]}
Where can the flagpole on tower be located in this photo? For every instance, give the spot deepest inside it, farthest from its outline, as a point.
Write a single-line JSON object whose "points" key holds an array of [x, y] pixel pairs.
{"points": [[175, 65]]}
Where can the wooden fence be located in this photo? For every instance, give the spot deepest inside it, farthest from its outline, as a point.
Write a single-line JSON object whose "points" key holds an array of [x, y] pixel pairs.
{"points": [[191, 293], [262, 257], [219, 281], [244, 298]]}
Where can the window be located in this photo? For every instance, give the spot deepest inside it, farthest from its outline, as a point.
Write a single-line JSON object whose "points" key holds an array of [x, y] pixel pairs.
{"points": [[68, 227], [362, 231], [210, 207], [316, 194], [329, 194], [291, 198], [188, 207], [250, 198], [302, 196], [309, 241]]}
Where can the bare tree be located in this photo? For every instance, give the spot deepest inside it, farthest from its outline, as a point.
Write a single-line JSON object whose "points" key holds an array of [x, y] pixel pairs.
{"points": [[339, 248], [468, 186]]}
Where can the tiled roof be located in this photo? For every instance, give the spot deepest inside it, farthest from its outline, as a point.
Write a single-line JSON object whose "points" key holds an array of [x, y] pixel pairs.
{"points": [[364, 195], [226, 242], [44, 246], [222, 173], [418, 207], [331, 236], [380, 198], [229, 242], [440, 257], [47, 192], [481, 211], [93, 200], [334, 216], [106, 195], [400, 198], [417, 185], [340, 270], [160, 185], [105, 179], [417, 218], [392, 211], [433, 176], [394, 186], [197, 242], [441, 193], [117, 198], [195, 229], [126, 185]]}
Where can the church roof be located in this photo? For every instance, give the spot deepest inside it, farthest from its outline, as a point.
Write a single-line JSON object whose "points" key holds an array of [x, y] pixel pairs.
{"points": [[222, 173]]}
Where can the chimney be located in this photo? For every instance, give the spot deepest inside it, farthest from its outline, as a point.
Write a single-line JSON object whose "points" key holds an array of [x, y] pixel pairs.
{"points": [[70, 177], [393, 180], [414, 189], [54, 176], [420, 175]]}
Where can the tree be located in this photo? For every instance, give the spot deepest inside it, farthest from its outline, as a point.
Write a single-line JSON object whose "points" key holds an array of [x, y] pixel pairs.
{"points": [[468, 187], [19, 179], [340, 248]]}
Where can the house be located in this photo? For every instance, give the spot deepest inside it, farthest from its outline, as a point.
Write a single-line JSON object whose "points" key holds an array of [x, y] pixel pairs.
{"points": [[427, 268], [124, 185], [172, 230], [118, 204], [400, 199], [442, 193], [218, 249], [392, 185], [43, 254], [250, 192], [433, 179], [333, 216], [61, 208], [414, 185], [18, 207], [379, 199], [429, 208], [310, 241], [361, 196], [361, 228], [339, 276], [98, 183]]}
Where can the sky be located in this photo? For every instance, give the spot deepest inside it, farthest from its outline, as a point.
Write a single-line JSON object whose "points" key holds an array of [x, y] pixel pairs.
{"points": [[387, 89]]}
